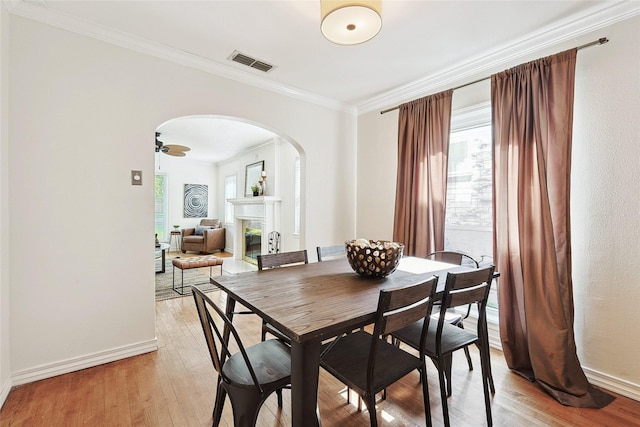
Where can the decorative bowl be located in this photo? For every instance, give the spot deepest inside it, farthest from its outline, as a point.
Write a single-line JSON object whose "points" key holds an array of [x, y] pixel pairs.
{"points": [[373, 258]]}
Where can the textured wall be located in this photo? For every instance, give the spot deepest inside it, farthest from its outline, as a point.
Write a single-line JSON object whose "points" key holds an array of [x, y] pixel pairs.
{"points": [[605, 209]]}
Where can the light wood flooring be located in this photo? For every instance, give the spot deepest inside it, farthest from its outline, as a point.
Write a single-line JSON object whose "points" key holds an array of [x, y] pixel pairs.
{"points": [[175, 386]]}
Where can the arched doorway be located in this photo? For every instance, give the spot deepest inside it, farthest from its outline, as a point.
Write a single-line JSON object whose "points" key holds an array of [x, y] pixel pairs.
{"points": [[220, 149]]}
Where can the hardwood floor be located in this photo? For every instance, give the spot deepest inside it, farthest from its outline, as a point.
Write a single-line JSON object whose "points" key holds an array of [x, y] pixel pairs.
{"points": [[175, 386]]}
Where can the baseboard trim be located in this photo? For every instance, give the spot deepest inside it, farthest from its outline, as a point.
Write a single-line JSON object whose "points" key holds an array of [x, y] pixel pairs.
{"points": [[599, 379], [616, 385], [4, 392], [82, 362]]}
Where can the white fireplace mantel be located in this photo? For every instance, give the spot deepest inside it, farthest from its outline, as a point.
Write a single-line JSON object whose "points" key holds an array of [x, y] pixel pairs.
{"points": [[265, 209], [255, 208]]}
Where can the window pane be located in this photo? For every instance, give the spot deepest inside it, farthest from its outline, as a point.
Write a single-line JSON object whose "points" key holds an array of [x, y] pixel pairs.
{"points": [[469, 222], [161, 207]]}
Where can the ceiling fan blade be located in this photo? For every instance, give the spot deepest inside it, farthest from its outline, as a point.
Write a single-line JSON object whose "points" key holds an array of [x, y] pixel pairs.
{"points": [[170, 149], [175, 147], [175, 153]]}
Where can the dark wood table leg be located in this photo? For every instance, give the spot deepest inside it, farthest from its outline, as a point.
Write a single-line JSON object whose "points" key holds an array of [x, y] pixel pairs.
{"points": [[305, 367]]}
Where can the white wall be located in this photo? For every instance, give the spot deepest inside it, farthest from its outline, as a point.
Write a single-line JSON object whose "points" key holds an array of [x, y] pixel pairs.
{"points": [[81, 115], [605, 197], [605, 205], [181, 171], [5, 366]]}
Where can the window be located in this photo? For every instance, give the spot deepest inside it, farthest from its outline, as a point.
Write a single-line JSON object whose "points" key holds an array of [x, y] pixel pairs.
{"points": [[230, 185], [161, 207], [469, 216], [296, 196]]}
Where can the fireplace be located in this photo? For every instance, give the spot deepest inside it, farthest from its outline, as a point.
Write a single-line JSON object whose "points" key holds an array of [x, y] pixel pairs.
{"points": [[252, 247], [255, 218]]}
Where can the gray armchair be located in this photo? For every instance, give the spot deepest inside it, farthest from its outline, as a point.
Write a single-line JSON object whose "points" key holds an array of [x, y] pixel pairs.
{"points": [[207, 237]]}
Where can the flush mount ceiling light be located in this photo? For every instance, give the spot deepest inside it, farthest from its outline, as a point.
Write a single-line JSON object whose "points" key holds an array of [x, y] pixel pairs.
{"points": [[350, 22]]}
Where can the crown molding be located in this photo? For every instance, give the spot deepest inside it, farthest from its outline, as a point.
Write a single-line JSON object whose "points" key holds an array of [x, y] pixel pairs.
{"points": [[600, 16], [108, 35], [505, 56]]}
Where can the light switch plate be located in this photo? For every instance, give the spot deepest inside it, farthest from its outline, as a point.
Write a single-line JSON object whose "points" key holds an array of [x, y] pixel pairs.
{"points": [[136, 177]]}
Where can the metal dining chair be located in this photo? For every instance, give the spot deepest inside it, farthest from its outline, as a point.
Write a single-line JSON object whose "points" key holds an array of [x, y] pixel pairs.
{"points": [[470, 287], [367, 363], [453, 316], [250, 374]]}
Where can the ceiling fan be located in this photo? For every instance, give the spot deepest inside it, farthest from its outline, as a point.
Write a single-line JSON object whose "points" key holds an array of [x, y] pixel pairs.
{"points": [[170, 149]]}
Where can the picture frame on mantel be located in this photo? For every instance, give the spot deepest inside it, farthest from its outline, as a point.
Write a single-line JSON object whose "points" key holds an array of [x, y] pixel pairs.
{"points": [[253, 172]]}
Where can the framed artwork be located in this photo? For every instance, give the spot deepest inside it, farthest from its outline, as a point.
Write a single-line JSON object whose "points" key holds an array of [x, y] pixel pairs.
{"points": [[253, 173], [196, 201]]}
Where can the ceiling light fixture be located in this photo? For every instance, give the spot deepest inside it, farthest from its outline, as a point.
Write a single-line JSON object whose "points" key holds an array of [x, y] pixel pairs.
{"points": [[350, 22]]}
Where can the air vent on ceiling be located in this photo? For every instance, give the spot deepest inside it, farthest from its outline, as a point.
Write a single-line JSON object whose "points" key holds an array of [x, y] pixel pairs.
{"points": [[241, 58]]}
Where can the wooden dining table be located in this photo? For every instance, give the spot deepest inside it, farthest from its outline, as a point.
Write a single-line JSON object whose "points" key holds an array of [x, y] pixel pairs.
{"points": [[310, 303]]}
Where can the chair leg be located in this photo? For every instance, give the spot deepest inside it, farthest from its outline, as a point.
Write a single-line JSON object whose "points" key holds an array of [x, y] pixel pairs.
{"points": [[425, 394], [245, 404], [485, 387], [468, 356], [443, 395], [444, 364], [219, 404], [466, 349], [486, 353], [279, 394], [447, 361], [489, 374], [370, 403]]}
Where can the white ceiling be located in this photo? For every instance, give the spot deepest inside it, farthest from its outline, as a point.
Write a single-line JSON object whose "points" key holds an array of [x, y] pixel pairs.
{"points": [[213, 139], [420, 41]]}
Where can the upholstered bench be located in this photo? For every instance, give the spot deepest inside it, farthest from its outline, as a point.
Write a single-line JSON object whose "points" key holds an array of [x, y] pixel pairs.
{"points": [[194, 262]]}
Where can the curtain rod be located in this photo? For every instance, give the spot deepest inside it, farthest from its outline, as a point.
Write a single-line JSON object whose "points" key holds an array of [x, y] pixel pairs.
{"points": [[600, 41]]}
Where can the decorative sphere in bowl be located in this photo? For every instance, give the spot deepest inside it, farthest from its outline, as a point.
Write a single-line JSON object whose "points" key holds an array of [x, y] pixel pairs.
{"points": [[373, 258]]}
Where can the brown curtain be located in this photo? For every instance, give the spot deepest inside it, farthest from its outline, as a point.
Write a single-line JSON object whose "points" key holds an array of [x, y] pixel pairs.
{"points": [[532, 108], [421, 186]]}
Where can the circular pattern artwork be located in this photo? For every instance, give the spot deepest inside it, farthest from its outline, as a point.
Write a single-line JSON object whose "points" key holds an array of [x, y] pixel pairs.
{"points": [[196, 201]]}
